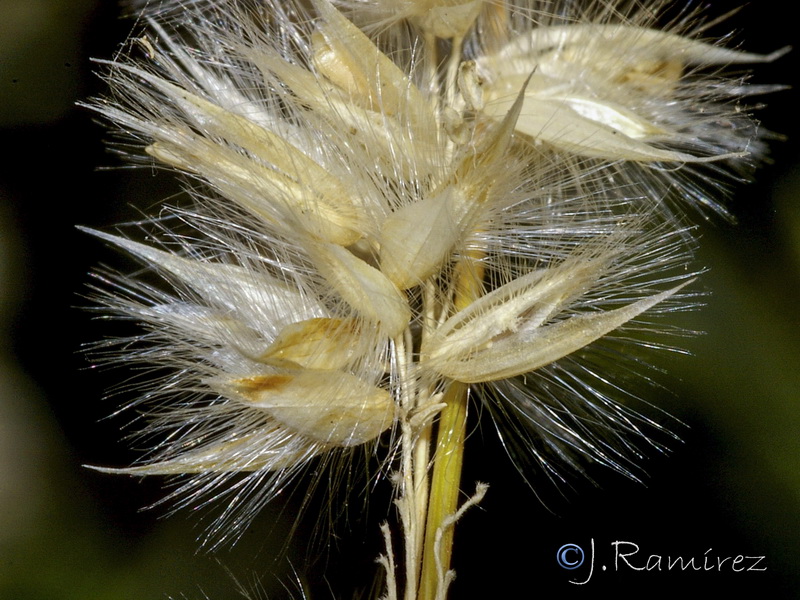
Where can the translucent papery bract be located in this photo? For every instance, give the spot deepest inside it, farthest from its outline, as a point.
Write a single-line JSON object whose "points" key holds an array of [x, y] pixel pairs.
{"points": [[419, 238], [517, 343], [332, 407], [372, 114], [532, 321], [604, 84], [616, 92], [249, 155], [558, 411], [263, 383]]}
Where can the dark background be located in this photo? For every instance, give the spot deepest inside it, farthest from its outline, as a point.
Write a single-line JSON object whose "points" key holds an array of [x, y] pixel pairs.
{"points": [[731, 486]]}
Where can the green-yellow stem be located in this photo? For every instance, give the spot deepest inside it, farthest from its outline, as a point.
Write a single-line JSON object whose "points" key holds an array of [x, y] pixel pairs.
{"points": [[449, 452], [445, 486]]}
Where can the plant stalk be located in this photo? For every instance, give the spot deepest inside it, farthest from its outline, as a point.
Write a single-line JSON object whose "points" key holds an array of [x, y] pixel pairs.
{"points": [[449, 453]]}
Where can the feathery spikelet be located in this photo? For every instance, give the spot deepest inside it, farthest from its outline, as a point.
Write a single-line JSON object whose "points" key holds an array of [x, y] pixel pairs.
{"points": [[372, 223], [607, 84]]}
